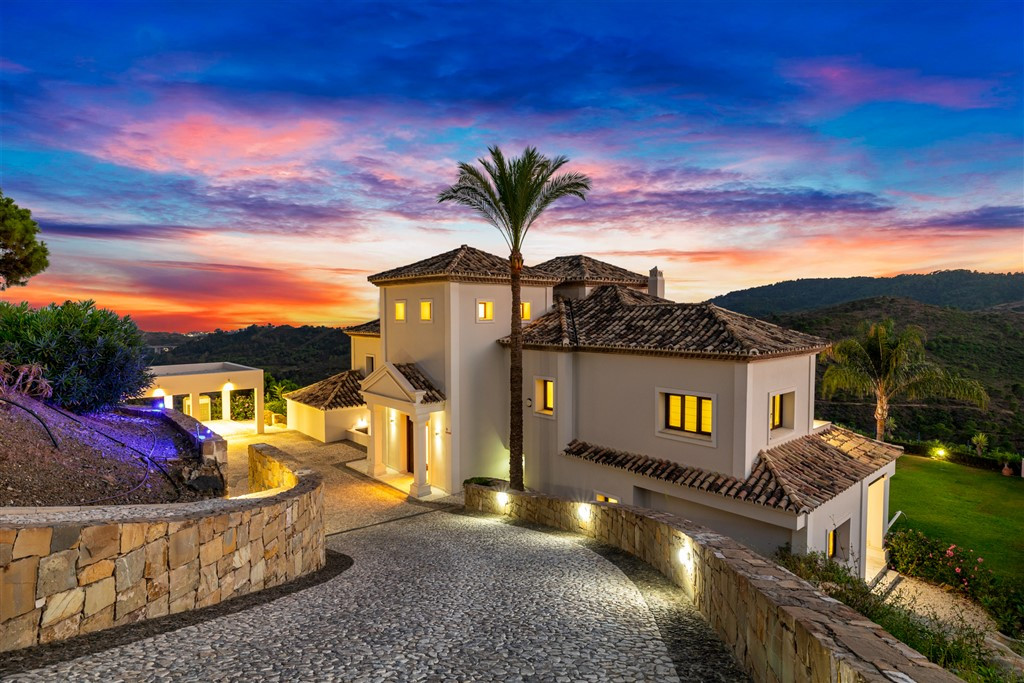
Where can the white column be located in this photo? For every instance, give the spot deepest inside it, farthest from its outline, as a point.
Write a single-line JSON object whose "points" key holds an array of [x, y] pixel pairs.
{"points": [[193, 404], [259, 406], [378, 432], [420, 487], [225, 404]]}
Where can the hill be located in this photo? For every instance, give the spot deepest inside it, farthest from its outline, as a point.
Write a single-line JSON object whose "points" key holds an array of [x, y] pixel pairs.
{"points": [[304, 354], [984, 345], [964, 289]]}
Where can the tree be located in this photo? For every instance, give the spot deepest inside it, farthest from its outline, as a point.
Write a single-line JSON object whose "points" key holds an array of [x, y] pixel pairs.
{"points": [[980, 441], [21, 255], [885, 363], [511, 194]]}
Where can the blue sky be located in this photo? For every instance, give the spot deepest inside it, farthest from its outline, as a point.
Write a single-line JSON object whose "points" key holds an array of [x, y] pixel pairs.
{"points": [[202, 165]]}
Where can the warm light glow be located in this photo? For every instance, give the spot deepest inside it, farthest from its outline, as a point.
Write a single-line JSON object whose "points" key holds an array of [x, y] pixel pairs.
{"points": [[361, 423], [524, 310], [228, 386], [685, 556], [602, 498], [502, 498], [583, 512], [400, 311], [485, 310], [426, 310], [157, 393]]}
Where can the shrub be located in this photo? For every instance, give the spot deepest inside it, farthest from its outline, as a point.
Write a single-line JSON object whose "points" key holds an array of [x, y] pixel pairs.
{"points": [[92, 357], [914, 554], [956, 646]]}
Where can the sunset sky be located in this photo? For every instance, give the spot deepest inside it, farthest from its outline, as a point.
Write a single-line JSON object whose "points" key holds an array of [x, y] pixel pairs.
{"points": [[216, 165]]}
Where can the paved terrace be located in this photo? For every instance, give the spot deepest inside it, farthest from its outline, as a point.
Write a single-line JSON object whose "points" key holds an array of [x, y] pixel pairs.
{"points": [[415, 591]]}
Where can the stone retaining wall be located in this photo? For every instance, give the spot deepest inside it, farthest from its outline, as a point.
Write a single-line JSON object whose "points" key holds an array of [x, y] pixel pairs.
{"points": [[778, 626], [211, 446], [76, 570]]}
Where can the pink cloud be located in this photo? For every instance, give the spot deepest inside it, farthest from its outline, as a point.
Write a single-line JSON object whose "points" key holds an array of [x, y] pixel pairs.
{"points": [[219, 146], [847, 81], [12, 67]]}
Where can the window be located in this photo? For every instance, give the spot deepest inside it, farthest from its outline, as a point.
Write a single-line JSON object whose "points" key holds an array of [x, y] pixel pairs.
{"points": [[781, 407], [776, 411], [485, 311], [400, 311], [602, 498], [524, 310], [544, 396], [369, 365], [837, 543], [426, 310], [830, 544], [687, 413]]}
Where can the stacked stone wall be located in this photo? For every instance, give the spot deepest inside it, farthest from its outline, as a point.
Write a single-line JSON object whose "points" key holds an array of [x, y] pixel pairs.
{"points": [[779, 627], [76, 570]]}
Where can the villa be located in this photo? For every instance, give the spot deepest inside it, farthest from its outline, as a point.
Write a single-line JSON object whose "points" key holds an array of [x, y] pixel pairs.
{"points": [[629, 398]]}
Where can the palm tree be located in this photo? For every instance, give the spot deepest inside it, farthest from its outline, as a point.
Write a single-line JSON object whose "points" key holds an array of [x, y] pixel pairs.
{"points": [[980, 441], [511, 194], [885, 363]]}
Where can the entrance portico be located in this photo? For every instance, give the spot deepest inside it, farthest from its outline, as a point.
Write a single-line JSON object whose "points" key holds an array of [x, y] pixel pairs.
{"points": [[406, 423]]}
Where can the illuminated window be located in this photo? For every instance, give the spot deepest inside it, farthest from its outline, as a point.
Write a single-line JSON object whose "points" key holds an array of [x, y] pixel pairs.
{"points": [[830, 544], [544, 396], [776, 411], [524, 310], [485, 310], [602, 498], [686, 413], [780, 410], [426, 310], [400, 311]]}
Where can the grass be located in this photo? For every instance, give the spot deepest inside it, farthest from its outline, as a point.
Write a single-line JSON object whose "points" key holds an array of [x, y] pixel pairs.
{"points": [[973, 508]]}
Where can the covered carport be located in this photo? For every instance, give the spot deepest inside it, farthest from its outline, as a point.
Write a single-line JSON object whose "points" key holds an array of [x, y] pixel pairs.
{"points": [[193, 379]]}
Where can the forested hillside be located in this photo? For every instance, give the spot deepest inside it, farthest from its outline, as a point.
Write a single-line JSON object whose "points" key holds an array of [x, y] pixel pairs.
{"points": [[304, 354], [964, 289], [983, 345]]}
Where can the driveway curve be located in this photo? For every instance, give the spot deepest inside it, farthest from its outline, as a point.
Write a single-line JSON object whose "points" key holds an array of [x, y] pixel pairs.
{"points": [[432, 595]]}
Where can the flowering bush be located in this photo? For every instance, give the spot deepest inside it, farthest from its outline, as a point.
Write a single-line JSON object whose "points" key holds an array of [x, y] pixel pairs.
{"points": [[963, 570]]}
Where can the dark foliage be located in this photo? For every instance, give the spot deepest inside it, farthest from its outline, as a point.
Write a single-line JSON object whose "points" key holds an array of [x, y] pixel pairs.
{"points": [[303, 355], [92, 358], [963, 289], [21, 254], [987, 346]]}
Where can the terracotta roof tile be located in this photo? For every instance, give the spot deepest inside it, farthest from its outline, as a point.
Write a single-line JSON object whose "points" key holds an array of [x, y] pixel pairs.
{"points": [[462, 264], [337, 391], [587, 270], [369, 329], [797, 476], [420, 382], [616, 318]]}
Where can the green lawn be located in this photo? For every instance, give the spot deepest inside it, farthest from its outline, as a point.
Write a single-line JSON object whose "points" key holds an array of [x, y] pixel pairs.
{"points": [[976, 509]]}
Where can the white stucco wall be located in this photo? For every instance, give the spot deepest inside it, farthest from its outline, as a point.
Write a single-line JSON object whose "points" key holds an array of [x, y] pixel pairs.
{"points": [[779, 375], [362, 347], [324, 425]]}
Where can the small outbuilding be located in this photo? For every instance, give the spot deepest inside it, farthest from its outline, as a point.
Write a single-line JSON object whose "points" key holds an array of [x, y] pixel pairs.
{"points": [[331, 409], [194, 379]]}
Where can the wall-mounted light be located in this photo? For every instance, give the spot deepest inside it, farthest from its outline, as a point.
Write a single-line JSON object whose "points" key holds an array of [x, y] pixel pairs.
{"points": [[583, 512], [685, 556], [228, 386], [502, 498], [361, 423], [159, 393]]}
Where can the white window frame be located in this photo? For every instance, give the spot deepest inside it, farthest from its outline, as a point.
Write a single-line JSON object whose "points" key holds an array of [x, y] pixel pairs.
{"points": [[370, 359], [420, 315], [781, 432], [538, 403], [476, 310], [394, 310], [686, 437]]}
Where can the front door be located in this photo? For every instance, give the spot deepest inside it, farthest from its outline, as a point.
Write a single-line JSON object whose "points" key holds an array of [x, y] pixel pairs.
{"points": [[409, 444]]}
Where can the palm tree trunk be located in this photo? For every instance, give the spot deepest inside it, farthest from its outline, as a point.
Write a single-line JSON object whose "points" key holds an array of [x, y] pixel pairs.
{"points": [[515, 438], [881, 415]]}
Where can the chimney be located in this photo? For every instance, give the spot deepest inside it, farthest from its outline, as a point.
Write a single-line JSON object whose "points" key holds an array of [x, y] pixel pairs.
{"points": [[656, 283]]}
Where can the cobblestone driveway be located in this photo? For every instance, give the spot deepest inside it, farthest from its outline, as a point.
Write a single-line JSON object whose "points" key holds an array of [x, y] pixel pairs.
{"points": [[432, 595]]}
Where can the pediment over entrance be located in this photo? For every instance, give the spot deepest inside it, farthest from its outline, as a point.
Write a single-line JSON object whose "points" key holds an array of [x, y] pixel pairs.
{"points": [[387, 382]]}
